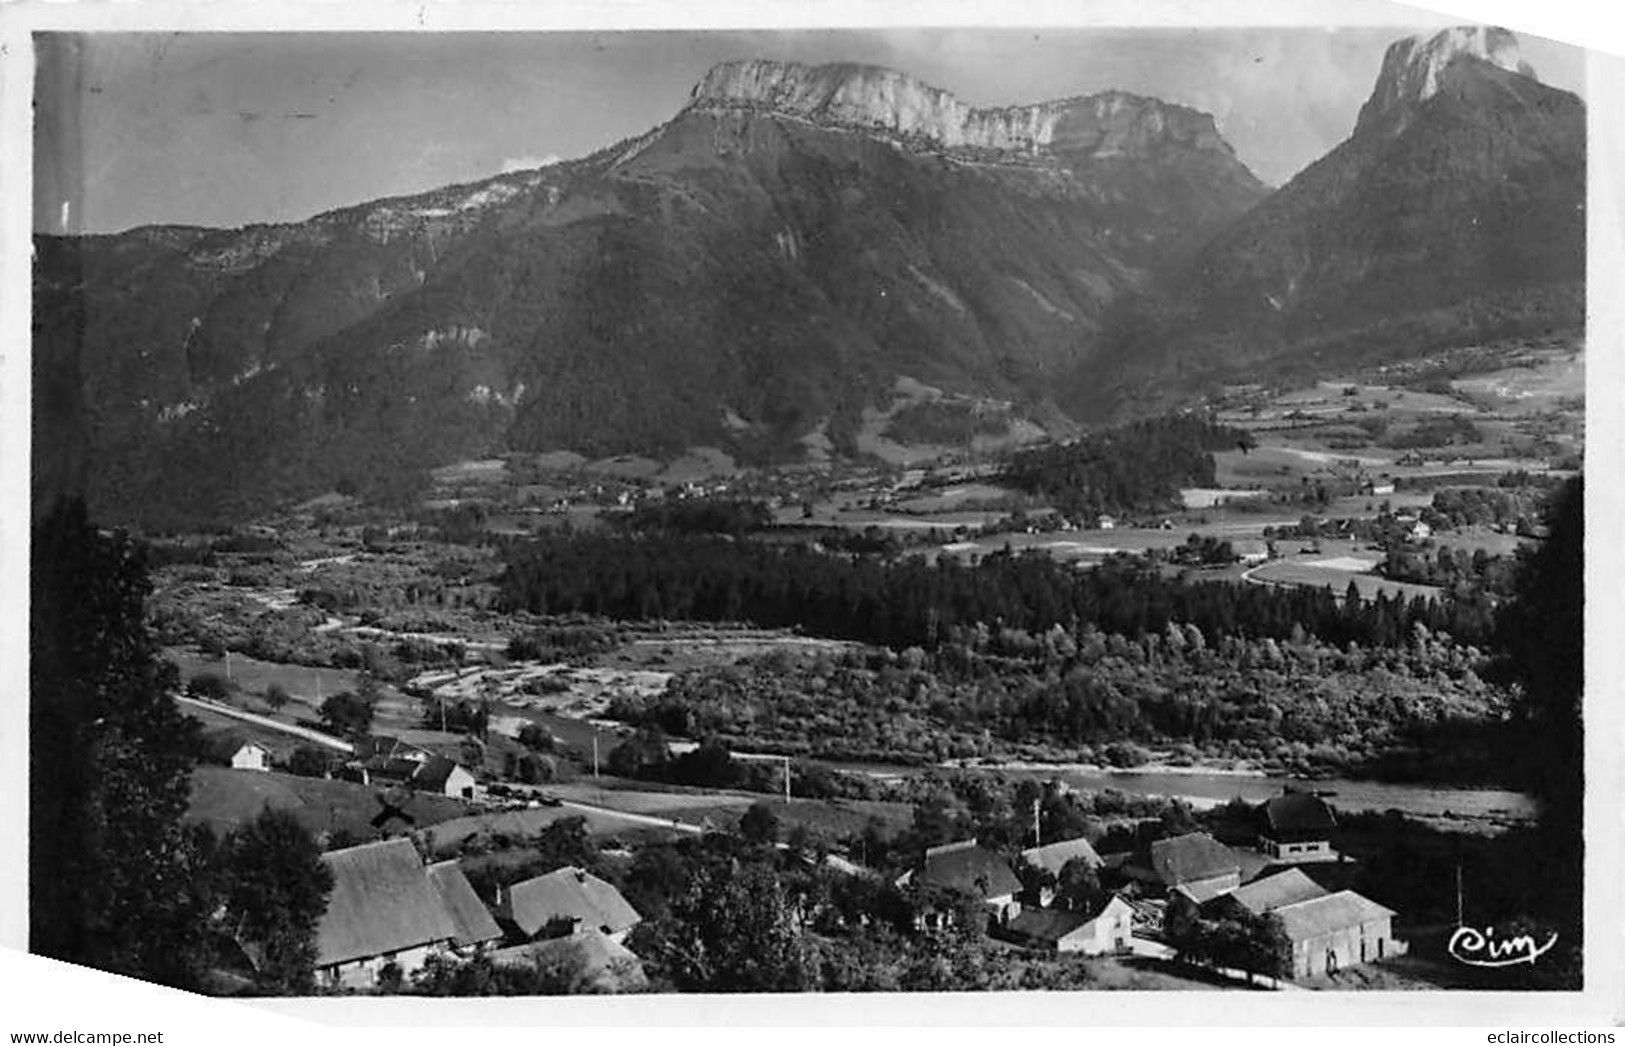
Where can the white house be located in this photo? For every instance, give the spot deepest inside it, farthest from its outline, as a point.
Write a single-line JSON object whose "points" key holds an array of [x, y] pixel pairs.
{"points": [[229, 748], [1110, 929], [444, 776]]}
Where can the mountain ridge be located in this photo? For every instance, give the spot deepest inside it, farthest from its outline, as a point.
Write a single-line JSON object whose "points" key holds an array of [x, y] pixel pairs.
{"points": [[768, 262]]}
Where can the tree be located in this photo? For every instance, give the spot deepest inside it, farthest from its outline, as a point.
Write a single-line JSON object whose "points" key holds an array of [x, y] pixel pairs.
{"points": [[1540, 635], [308, 761], [276, 889], [346, 714], [1077, 887], [113, 876], [208, 686], [759, 824], [536, 737], [732, 931], [644, 754], [560, 972], [276, 696]]}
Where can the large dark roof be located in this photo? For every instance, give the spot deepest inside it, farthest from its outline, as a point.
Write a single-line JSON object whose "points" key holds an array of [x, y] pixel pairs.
{"points": [[381, 902], [434, 773], [1051, 925], [968, 868], [1185, 858], [1296, 812]]}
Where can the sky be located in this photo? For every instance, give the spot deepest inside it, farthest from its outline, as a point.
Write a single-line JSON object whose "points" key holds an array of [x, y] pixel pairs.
{"points": [[229, 129]]}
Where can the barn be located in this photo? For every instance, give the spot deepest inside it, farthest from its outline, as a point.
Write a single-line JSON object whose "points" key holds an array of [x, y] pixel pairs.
{"points": [[1337, 931]]}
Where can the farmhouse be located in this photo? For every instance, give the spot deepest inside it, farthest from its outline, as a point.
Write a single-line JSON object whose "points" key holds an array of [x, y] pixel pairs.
{"points": [[382, 910], [562, 903], [1195, 860], [1109, 929], [1337, 931], [443, 776], [607, 966], [475, 929], [1054, 857], [229, 748], [967, 868], [1296, 828]]}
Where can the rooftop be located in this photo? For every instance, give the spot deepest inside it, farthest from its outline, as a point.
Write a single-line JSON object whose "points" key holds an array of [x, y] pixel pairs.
{"points": [[381, 902], [1277, 891], [969, 868], [1053, 858], [1309, 919], [1189, 857], [567, 893]]}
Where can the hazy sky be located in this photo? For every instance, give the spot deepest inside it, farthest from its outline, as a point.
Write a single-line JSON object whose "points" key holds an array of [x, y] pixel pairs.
{"points": [[229, 129]]}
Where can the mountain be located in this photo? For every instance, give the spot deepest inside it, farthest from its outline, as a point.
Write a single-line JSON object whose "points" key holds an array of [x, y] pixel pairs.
{"points": [[764, 265], [1455, 210]]}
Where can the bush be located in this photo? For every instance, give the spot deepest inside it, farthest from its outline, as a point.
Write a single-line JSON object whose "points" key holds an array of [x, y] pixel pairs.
{"points": [[1126, 754], [207, 686]]}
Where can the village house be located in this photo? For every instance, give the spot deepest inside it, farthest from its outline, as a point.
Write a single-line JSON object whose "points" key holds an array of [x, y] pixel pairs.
{"points": [[1250, 550], [562, 903], [230, 748], [1197, 861], [606, 966], [382, 910], [1055, 856], [1337, 931], [970, 869], [1296, 828], [1109, 929], [475, 929], [444, 776]]}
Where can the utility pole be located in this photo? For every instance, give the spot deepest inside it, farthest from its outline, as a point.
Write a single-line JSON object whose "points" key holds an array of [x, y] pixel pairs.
{"points": [[786, 780], [595, 753], [1038, 837], [228, 666], [1458, 894]]}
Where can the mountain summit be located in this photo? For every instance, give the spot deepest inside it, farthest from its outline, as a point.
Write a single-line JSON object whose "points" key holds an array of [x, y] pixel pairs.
{"points": [[867, 97], [1414, 69], [754, 274], [1455, 211]]}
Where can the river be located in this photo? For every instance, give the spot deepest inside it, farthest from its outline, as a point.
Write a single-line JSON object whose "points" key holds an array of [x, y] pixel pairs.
{"points": [[1199, 788], [1212, 788]]}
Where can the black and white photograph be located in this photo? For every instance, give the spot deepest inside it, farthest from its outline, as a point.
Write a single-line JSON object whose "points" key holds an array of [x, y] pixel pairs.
{"points": [[863, 509]]}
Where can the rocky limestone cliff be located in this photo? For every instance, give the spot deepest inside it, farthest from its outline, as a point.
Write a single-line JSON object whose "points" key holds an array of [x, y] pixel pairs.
{"points": [[1111, 123], [1413, 69]]}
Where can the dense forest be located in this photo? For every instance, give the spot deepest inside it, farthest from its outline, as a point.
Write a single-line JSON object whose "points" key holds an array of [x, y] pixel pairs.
{"points": [[1137, 467], [1301, 706], [915, 602]]}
